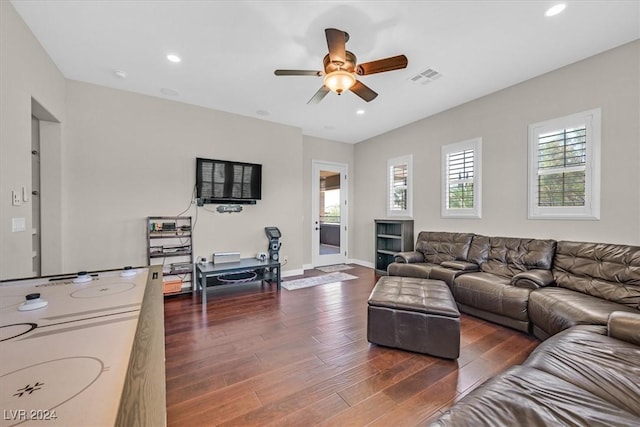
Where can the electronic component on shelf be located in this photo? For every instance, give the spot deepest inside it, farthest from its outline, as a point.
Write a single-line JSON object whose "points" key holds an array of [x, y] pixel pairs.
{"points": [[175, 248], [181, 267], [222, 257]]}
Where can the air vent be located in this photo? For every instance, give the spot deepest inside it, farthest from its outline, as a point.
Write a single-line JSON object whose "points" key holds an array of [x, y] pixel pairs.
{"points": [[427, 76]]}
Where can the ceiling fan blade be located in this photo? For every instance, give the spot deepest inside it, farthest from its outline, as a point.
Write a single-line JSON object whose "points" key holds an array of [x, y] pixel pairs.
{"points": [[382, 65], [297, 73], [363, 91], [336, 40], [321, 93]]}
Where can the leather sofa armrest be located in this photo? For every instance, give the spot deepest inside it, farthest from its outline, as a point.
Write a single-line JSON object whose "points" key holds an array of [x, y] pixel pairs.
{"points": [[624, 326], [532, 279], [447, 275], [460, 265], [409, 257]]}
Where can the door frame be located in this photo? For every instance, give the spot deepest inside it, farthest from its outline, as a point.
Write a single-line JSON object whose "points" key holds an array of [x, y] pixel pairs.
{"points": [[342, 168]]}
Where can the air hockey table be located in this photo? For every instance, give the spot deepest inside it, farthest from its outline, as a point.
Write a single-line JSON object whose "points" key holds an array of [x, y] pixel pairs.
{"points": [[83, 350]]}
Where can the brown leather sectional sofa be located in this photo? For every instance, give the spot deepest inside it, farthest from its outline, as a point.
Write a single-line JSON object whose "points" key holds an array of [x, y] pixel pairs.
{"points": [[532, 285], [583, 376], [583, 299], [591, 281]]}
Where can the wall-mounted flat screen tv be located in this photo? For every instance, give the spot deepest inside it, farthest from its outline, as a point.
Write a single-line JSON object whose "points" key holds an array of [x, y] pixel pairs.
{"points": [[224, 181]]}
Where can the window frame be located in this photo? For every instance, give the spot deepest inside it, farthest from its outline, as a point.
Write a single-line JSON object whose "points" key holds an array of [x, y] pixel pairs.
{"points": [[474, 144], [391, 163], [592, 120]]}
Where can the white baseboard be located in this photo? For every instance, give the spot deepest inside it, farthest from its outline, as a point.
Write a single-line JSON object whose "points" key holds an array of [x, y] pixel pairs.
{"points": [[349, 261], [290, 273], [361, 262]]}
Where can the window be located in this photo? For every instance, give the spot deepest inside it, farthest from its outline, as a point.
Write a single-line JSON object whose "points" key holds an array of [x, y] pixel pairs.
{"points": [[461, 179], [399, 187], [564, 167]]}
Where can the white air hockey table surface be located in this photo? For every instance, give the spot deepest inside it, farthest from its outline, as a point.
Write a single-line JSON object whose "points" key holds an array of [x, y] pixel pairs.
{"points": [[66, 363]]}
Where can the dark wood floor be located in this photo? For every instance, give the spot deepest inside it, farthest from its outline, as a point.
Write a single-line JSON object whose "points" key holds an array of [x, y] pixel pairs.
{"points": [[301, 358]]}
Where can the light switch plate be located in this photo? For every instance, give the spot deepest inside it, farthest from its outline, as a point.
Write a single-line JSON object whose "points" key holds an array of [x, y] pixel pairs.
{"points": [[18, 224]]}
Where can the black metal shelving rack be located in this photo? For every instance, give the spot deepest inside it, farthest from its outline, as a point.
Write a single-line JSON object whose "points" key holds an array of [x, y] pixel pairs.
{"points": [[170, 242]]}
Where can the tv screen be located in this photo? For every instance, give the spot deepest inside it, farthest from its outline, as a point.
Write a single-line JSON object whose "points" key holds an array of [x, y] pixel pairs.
{"points": [[223, 181]]}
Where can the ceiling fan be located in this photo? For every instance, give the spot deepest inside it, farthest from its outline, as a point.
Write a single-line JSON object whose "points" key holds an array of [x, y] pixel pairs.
{"points": [[340, 69]]}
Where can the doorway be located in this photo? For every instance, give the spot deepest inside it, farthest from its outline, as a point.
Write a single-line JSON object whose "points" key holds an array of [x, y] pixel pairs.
{"points": [[46, 192], [329, 213], [36, 244]]}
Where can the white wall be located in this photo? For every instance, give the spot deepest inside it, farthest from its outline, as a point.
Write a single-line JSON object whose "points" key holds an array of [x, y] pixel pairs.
{"points": [[130, 156], [610, 80], [328, 151], [121, 157], [26, 72]]}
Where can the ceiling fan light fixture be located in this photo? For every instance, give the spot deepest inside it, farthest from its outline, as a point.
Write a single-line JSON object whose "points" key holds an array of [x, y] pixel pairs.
{"points": [[338, 81]]}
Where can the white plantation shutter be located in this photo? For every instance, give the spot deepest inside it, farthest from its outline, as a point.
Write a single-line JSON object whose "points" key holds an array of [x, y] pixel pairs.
{"points": [[399, 191], [398, 184], [564, 167], [562, 160], [461, 179]]}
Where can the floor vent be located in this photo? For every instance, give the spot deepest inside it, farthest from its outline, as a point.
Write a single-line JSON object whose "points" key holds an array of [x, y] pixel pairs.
{"points": [[427, 76]]}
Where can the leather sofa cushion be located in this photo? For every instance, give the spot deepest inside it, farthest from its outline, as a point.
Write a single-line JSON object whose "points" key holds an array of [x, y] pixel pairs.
{"points": [[492, 293], [607, 271], [524, 396], [418, 270], [556, 309], [447, 275], [507, 256], [605, 366], [439, 246]]}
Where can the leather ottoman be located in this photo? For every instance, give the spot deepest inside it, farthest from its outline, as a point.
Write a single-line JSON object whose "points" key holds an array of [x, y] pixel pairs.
{"points": [[414, 314]]}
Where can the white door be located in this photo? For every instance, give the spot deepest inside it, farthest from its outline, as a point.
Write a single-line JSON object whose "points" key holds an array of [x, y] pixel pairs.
{"points": [[329, 213]]}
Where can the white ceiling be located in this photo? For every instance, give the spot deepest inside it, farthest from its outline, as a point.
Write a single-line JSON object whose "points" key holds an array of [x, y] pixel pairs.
{"points": [[229, 50]]}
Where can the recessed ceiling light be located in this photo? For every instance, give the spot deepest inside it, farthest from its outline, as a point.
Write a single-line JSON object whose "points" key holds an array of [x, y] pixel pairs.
{"points": [[554, 10], [173, 58], [120, 74], [360, 112]]}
